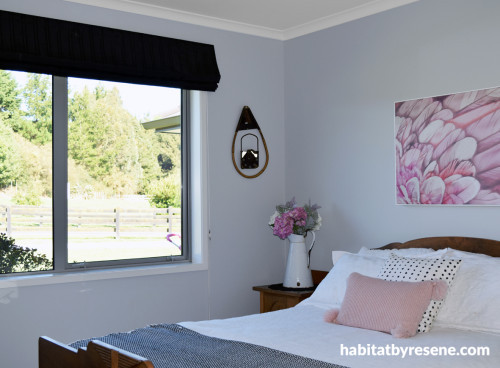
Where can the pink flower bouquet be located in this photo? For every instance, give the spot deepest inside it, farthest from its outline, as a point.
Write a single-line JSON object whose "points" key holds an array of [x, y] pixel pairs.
{"points": [[291, 219]]}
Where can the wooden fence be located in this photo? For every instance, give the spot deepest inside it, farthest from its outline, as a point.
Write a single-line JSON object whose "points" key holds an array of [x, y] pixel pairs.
{"points": [[92, 222]]}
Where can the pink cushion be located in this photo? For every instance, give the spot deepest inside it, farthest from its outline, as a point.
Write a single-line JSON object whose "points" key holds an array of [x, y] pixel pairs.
{"points": [[389, 306]]}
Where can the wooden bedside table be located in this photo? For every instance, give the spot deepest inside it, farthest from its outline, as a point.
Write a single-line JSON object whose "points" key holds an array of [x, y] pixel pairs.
{"points": [[273, 300]]}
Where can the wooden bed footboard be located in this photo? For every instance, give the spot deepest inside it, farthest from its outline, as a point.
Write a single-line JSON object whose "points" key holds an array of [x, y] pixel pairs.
{"points": [[53, 354]]}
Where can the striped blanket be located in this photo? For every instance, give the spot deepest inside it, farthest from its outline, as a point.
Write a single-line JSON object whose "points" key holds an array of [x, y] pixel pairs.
{"points": [[174, 346]]}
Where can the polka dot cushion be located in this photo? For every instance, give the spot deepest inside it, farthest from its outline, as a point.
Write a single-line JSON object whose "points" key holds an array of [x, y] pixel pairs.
{"points": [[421, 269]]}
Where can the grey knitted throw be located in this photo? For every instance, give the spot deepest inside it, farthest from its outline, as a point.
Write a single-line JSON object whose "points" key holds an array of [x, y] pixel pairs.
{"points": [[173, 346]]}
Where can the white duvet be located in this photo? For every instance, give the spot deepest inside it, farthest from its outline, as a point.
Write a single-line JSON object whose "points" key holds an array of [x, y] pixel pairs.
{"points": [[302, 331]]}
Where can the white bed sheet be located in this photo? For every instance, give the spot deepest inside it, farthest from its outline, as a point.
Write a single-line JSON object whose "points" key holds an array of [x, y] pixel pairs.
{"points": [[302, 331]]}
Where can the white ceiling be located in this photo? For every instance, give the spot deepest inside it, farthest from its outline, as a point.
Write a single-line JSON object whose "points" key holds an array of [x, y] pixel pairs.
{"points": [[278, 19]]}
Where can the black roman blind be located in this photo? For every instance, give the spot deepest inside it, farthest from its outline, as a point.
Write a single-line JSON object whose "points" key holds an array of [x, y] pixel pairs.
{"points": [[43, 45]]}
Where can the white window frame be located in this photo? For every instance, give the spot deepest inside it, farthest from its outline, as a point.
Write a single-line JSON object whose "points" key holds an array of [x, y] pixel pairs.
{"points": [[196, 197]]}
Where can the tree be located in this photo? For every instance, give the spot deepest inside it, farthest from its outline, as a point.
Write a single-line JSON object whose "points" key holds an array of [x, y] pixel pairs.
{"points": [[103, 139], [169, 156], [37, 96], [113, 148], [165, 192], [20, 160], [10, 160], [10, 102], [14, 258], [148, 148]]}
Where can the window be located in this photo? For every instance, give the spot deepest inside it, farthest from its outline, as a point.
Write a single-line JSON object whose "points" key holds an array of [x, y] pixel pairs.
{"points": [[93, 173], [25, 172]]}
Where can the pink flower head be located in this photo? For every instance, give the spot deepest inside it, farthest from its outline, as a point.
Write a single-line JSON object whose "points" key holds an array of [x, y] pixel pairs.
{"points": [[283, 226], [299, 216], [290, 219]]}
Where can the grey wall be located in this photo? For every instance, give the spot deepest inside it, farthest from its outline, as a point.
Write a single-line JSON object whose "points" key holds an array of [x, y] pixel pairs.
{"points": [[242, 252], [340, 89]]}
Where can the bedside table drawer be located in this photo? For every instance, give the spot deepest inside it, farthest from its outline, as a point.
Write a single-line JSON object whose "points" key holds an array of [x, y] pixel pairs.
{"points": [[273, 300], [270, 302], [275, 297]]}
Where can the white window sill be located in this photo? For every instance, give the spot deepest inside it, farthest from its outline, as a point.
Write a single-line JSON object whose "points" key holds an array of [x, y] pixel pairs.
{"points": [[101, 274]]}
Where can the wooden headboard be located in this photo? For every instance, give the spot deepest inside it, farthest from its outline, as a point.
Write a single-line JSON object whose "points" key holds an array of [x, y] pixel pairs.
{"points": [[475, 245]]}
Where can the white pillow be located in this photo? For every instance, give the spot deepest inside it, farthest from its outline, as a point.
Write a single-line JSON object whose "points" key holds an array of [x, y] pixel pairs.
{"points": [[407, 252], [421, 269], [332, 289], [336, 254], [473, 303]]}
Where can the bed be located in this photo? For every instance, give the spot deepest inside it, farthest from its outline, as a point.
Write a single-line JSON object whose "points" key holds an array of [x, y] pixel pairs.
{"points": [[300, 337]]}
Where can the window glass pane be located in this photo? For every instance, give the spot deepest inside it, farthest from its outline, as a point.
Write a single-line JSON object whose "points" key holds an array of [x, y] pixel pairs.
{"points": [[25, 172], [124, 171]]}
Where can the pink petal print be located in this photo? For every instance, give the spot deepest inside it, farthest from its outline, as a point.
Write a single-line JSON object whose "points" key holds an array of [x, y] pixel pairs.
{"points": [[461, 150], [444, 115], [415, 108], [399, 150], [463, 102], [459, 101], [411, 158], [450, 179], [463, 190], [404, 133], [412, 140], [424, 157], [403, 128], [466, 119], [485, 127], [435, 132], [431, 169], [488, 159], [463, 168], [486, 197], [432, 191], [409, 193], [448, 149], [452, 199], [402, 195], [405, 108], [488, 96], [424, 116], [430, 130], [442, 134], [447, 142], [466, 168], [490, 179], [489, 142], [413, 190]]}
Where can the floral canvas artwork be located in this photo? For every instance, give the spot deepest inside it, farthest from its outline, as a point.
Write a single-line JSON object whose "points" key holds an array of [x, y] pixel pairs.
{"points": [[448, 149]]}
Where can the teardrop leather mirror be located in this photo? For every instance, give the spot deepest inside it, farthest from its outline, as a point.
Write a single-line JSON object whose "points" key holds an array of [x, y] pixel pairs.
{"points": [[249, 157]]}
